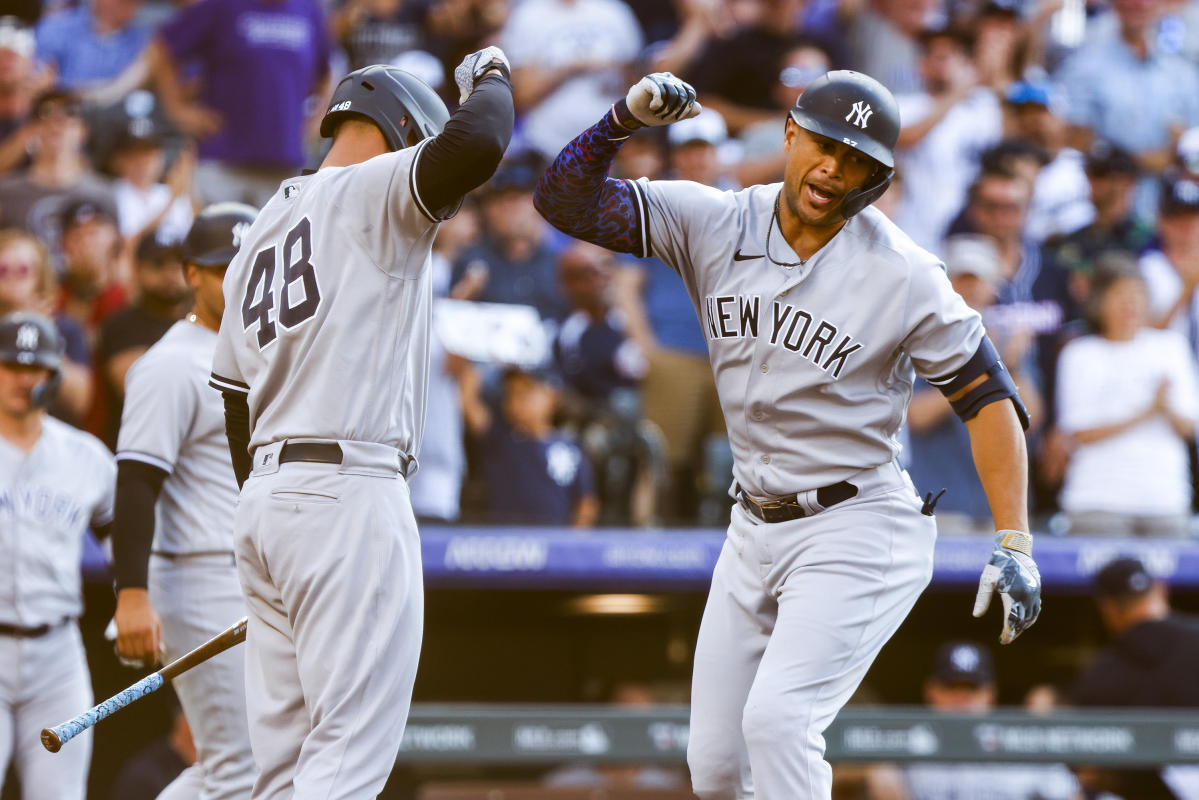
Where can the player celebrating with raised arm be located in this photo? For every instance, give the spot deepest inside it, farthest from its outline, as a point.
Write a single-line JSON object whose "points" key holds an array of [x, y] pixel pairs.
{"points": [[323, 359], [818, 313], [174, 519], [55, 481]]}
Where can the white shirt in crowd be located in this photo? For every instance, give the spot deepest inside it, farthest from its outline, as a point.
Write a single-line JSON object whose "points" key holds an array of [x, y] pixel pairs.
{"points": [[938, 170], [1164, 284], [136, 209], [1143, 470], [1061, 197]]}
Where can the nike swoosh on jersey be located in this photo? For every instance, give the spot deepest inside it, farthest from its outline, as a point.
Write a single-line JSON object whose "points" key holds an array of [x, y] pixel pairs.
{"points": [[739, 257]]}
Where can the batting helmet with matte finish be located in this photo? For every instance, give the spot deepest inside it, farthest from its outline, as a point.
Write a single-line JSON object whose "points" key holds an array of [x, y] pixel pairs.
{"points": [[216, 233], [854, 108], [31, 339], [403, 106]]}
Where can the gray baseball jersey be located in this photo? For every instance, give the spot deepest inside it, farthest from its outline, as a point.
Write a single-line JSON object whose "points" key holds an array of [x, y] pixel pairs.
{"points": [[173, 420], [330, 291], [814, 360], [48, 498]]}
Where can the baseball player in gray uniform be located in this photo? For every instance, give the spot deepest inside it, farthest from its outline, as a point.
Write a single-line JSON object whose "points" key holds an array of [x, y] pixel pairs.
{"points": [[323, 359], [174, 568], [55, 481], [819, 313]]}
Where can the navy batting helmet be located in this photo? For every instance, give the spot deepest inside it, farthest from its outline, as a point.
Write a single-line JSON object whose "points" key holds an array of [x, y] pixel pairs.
{"points": [[856, 109], [31, 339], [216, 233], [403, 106]]}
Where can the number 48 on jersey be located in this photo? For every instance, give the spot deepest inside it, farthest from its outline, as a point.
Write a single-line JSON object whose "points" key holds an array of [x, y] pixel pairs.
{"points": [[297, 268]]}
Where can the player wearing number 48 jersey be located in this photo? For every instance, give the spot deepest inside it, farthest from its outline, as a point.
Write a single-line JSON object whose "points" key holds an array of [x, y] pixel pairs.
{"points": [[174, 568], [323, 359], [819, 313]]}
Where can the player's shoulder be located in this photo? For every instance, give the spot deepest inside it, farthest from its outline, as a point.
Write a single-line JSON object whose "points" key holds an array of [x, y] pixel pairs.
{"points": [[75, 442], [171, 354], [884, 243]]}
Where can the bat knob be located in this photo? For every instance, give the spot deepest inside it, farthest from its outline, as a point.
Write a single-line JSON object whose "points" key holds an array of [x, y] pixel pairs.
{"points": [[50, 740]]}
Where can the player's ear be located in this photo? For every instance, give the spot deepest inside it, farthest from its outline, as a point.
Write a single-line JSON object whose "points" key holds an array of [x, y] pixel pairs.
{"points": [[790, 133]]}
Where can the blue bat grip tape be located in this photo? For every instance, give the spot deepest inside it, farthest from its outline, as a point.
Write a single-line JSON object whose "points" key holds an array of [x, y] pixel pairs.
{"points": [[69, 730]]}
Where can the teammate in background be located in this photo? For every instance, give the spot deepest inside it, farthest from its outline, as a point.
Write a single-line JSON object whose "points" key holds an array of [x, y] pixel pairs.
{"points": [[323, 360], [819, 314], [55, 481], [174, 569]]}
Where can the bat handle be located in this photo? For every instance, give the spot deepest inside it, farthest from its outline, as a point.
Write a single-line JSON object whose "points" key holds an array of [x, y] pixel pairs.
{"points": [[54, 738]]}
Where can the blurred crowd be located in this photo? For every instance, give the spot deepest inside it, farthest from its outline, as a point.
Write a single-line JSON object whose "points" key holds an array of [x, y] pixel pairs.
{"points": [[1049, 154]]}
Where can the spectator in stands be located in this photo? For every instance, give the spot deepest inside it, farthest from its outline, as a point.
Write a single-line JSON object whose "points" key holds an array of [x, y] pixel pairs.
{"points": [[148, 200], [883, 41], [1111, 176], [1172, 268], [1001, 42], [1187, 154], [947, 125], [567, 58], [1061, 195], [1128, 399], [695, 150], [377, 31], [162, 298], [1123, 87], [963, 680], [735, 74], [533, 474], [91, 43], [59, 171], [18, 84], [1150, 662], [264, 79], [28, 283], [602, 369], [94, 281], [514, 261], [940, 455]]}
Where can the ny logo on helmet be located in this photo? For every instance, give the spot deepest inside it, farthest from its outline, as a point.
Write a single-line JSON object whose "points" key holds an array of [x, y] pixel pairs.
{"points": [[859, 114], [27, 337]]}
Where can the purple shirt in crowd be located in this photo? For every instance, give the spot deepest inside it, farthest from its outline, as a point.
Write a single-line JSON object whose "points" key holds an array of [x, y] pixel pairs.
{"points": [[258, 61]]}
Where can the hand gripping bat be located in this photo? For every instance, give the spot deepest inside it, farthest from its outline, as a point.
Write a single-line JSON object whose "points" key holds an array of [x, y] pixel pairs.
{"points": [[54, 738]]}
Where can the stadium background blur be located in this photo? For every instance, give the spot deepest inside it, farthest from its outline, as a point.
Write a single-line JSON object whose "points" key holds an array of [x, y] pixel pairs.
{"points": [[1050, 155]]}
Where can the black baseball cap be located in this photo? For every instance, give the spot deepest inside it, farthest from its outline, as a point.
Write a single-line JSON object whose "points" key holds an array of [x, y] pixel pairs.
{"points": [[1106, 158], [1179, 195], [1122, 577], [82, 210], [959, 663]]}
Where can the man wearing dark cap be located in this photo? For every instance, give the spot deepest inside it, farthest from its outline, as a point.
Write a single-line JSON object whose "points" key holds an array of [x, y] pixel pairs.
{"points": [[1151, 662], [1172, 270], [161, 300], [90, 286], [963, 681]]}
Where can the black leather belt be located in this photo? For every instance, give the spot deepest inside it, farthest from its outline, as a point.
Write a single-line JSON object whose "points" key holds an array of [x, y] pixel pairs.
{"points": [[784, 509], [21, 632], [320, 452], [325, 453]]}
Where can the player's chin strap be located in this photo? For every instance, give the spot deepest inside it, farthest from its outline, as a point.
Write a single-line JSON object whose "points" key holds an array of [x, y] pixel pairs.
{"points": [[857, 199]]}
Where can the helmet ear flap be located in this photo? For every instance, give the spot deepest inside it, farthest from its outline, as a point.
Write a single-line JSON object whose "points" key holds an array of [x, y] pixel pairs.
{"points": [[857, 199]]}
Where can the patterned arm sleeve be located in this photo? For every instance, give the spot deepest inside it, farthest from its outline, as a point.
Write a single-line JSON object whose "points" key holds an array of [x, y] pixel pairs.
{"points": [[577, 197]]}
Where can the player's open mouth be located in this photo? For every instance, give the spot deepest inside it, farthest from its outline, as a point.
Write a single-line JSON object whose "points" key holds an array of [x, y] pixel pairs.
{"points": [[820, 196]]}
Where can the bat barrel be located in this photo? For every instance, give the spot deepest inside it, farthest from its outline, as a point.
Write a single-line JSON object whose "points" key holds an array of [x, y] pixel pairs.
{"points": [[54, 738]]}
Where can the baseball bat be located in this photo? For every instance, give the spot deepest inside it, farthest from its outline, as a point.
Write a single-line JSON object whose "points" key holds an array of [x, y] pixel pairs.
{"points": [[54, 738]]}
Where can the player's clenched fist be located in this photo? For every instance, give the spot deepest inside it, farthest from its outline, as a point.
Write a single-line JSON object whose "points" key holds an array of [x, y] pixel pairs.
{"points": [[1011, 572], [475, 66], [658, 99]]}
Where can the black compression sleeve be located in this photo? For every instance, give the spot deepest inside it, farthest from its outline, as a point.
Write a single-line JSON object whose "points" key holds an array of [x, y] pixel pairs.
{"points": [[466, 153], [237, 431], [138, 486]]}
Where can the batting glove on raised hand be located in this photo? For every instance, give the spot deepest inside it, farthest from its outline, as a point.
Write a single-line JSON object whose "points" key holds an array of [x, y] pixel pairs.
{"points": [[659, 99], [1012, 572], [475, 66]]}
